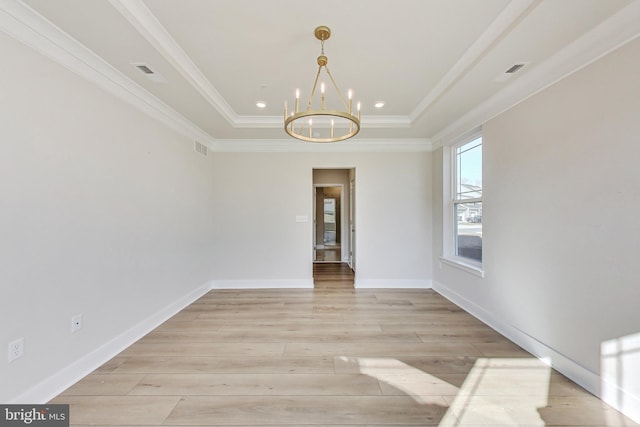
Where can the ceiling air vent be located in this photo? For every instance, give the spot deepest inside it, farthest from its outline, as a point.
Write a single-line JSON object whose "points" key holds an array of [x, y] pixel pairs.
{"points": [[514, 68], [147, 70], [201, 148], [154, 76], [502, 77]]}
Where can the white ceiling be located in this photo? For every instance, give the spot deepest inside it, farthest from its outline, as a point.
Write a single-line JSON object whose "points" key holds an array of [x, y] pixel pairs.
{"points": [[433, 62]]}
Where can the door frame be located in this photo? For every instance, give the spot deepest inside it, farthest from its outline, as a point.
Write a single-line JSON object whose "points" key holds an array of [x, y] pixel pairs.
{"points": [[343, 220], [352, 225]]}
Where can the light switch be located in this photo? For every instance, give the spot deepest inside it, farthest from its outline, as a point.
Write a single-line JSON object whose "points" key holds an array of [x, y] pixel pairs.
{"points": [[302, 218]]}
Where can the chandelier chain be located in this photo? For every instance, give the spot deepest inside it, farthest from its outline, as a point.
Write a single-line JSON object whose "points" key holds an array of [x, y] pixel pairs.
{"points": [[344, 101], [313, 90]]}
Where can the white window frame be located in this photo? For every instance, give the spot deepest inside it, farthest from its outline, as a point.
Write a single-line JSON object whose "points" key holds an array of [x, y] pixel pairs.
{"points": [[449, 172]]}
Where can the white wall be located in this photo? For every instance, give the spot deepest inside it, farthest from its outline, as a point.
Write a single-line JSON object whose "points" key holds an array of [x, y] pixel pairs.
{"points": [[260, 194], [103, 211], [561, 229]]}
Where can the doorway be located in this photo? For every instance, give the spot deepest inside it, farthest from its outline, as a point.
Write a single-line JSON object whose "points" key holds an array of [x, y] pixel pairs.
{"points": [[334, 217]]}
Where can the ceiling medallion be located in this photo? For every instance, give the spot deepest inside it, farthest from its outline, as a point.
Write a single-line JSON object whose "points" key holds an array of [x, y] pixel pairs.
{"points": [[332, 124]]}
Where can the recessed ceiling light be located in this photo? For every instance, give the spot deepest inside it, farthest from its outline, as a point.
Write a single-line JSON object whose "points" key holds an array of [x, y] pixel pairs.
{"points": [[379, 104], [261, 104]]}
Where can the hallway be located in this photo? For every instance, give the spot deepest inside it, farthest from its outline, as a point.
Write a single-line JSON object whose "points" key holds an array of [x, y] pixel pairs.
{"points": [[333, 275]]}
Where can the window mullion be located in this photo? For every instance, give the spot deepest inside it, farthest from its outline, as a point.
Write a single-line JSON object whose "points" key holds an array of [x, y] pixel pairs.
{"points": [[474, 200]]}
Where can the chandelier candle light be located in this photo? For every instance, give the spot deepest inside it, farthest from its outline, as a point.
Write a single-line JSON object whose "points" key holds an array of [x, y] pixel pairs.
{"points": [[322, 125]]}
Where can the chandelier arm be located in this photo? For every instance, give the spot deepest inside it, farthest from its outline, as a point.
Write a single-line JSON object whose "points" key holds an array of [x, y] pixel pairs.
{"points": [[313, 90], [346, 105]]}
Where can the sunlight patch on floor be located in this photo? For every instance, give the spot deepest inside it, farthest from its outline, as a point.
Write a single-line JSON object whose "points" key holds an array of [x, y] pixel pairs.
{"points": [[424, 388], [502, 392], [496, 391]]}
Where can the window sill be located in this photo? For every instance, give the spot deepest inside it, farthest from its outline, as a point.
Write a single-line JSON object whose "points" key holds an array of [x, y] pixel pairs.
{"points": [[469, 267]]}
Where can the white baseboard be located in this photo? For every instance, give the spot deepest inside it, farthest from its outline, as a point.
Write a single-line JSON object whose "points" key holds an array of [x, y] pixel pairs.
{"points": [[577, 373], [63, 379], [263, 284], [392, 283]]}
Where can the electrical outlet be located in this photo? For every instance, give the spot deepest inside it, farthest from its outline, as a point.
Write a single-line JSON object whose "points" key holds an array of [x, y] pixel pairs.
{"points": [[76, 323], [16, 349]]}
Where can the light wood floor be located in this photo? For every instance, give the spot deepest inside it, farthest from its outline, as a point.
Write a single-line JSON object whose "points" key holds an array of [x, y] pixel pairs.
{"points": [[329, 356]]}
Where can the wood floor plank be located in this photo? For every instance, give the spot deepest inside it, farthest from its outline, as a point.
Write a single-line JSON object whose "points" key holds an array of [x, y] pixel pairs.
{"points": [[119, 410], [104, 384], [380, 349], [265, 316], [257, 385], [326, 326], [463, 333], [280, 337], [204, 349], [501, 349], [426, 322], [111, 365], [226, 365], [435, 365], [305, 410]]}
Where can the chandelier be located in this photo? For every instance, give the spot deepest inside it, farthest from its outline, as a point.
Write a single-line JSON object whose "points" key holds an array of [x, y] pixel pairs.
{"points": [[327, 120]]}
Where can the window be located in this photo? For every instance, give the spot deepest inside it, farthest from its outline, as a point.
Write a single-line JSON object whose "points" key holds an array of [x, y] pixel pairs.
{"points": [[467, 200], [329, 210]]}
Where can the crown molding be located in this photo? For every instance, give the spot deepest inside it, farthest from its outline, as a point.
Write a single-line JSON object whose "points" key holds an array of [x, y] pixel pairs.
{"points": [[386, 121], [146, 23], [30, 28], [616, 31], [352, 145], [371, 122], [501, 25]]}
